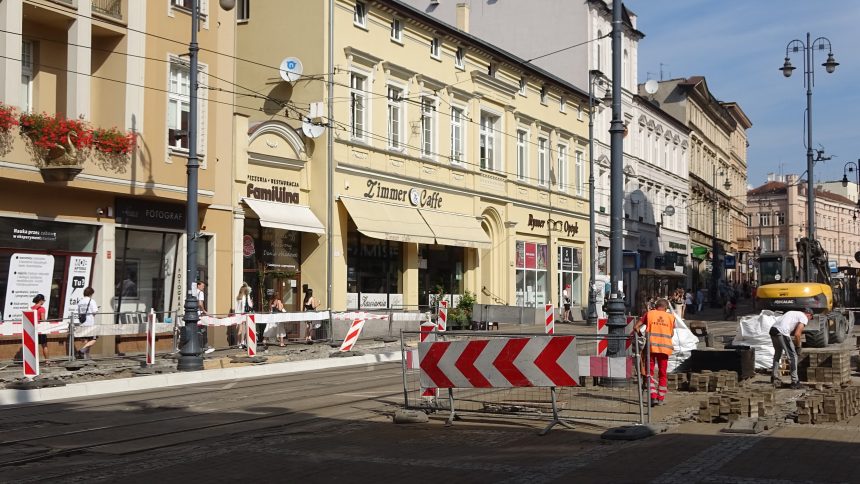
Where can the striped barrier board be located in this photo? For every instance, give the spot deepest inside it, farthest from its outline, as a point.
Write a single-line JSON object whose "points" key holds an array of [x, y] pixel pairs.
{"points": [[540, 361], [427, 335], [29, 337], [549, 319], [442, 318], [251, 334], [150, 339], [608, 367], [603, 328], [352, 335]]}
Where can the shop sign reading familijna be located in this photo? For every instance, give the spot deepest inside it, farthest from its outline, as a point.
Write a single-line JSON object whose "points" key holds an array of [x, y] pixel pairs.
{"points": [[277, 190]]}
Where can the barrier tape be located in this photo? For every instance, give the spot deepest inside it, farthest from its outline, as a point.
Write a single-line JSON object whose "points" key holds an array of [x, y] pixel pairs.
{"points": [[14, 329], [119, 329], [265, 318]]}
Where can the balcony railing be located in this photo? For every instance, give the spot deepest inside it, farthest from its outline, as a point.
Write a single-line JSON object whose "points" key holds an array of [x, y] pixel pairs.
{"points": [[112, 8]]}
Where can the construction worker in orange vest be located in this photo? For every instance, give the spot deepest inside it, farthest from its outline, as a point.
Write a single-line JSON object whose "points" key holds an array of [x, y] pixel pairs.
{"points": [[660, 326]]}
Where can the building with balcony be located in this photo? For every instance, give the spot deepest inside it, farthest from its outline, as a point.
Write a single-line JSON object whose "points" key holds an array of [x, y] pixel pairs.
{"points": [[94, 213], [447, 164]]}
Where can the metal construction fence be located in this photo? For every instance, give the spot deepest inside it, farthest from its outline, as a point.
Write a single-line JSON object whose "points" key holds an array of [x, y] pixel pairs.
{"points": [[610, 389]]}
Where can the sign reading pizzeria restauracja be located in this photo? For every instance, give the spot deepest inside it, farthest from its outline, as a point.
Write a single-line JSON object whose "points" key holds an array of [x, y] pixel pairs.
{"points": [[570, 229], [277, 190], [418, 198]]}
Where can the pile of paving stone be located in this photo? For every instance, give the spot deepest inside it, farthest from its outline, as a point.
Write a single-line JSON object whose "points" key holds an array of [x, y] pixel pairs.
{"points": [[829, 366], [704, 381], [731, 405], [829, 405]]}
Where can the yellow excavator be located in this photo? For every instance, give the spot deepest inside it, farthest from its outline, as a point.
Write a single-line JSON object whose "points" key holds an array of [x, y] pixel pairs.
{"points": [[779, 289]]}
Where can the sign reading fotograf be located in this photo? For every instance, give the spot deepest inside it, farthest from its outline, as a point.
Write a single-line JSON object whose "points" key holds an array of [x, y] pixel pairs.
{"points": [[148, 213]]}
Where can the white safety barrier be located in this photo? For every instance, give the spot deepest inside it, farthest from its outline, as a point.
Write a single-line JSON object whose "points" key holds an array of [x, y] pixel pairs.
{"points": [[251, 335], [119, 329], [10, 328], [150, 339]]}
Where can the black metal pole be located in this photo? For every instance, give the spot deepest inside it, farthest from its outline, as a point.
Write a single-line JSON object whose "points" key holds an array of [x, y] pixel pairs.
{"points": [[190, 358], [616, 307], [715, 259], [591, 317], [810, 164]]}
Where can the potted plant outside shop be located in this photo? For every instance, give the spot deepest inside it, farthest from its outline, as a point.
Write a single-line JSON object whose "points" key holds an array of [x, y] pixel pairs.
{"points": [[60, 145], [8, 122]]}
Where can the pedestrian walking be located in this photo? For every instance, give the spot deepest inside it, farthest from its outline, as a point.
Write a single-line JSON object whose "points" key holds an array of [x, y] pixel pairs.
{"points": [[42, 314], [244, 305], [565, 300], [87, 309], [309, 304], [202, 329], [700, 299], [688, 302], [785, 336], [660, 326], [277, 306]]}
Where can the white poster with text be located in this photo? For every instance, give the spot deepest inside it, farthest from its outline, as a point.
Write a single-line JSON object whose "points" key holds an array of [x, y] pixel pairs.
{"points": [[29, 274], [78, 280]]}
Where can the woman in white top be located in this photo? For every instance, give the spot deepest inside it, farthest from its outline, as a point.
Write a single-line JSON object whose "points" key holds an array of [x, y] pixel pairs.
{"points": [[87, 309], [244, 304]]}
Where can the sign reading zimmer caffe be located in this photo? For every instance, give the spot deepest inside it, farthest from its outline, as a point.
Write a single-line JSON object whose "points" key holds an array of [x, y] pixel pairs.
{"points": [[416, 197]]}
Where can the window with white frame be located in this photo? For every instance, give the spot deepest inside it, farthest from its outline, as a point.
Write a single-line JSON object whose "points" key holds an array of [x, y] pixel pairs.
{"points": [[460, 58], [458, 135], [178, 105], [27, 76], [523, 85], [764, 219], [395, 117], [359, 15], [562, 104], [189, 4], [780, 218], [434, 47], [543, 93], [543, 159], [489, 142], [358, 106], [243, 10], [396, 30], [522, 154], [563, 174], [428, 121], [580, 173]]}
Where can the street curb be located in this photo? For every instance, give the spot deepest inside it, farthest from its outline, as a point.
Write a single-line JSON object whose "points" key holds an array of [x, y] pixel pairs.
{"points": [[121, 385]]}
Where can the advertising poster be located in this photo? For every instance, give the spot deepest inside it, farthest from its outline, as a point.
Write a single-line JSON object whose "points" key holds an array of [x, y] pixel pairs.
{"points": [[521, 254], [29, 274], [566, 259], [531, 255], [77, 281], [541, 257]]}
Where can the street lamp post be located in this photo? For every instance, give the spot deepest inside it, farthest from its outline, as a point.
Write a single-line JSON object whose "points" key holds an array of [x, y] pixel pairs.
{"points": [[593, 76], [830, 64], [615, 308], [852, 167], [190, 358], [716, 266]]}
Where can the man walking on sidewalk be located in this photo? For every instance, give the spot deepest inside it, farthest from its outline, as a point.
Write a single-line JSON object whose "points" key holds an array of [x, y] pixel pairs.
{"points": [[785, 336], [660, 326]]}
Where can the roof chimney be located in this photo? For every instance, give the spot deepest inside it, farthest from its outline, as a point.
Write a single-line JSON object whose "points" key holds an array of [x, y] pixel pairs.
{"points": [[463, 16]]}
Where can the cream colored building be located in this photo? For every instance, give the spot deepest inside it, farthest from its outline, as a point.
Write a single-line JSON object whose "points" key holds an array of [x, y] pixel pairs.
{"points": [[455, 166], [118, 225]]}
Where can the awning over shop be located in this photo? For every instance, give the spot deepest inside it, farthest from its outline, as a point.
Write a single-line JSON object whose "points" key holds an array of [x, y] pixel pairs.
{"points": [[388, 222], [285, 216], [457, 230], [661, 273], [700, 252]]}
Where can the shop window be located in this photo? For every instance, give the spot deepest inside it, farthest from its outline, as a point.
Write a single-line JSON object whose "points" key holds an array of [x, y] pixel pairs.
{"points": [[145, 275], [440, 269], [272, 265], [374, 272], [570, 274], [532, 282]]}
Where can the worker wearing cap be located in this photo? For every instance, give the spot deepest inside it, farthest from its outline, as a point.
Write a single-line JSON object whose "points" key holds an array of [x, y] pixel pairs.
{"points": [[660, 326], [785, 336]]}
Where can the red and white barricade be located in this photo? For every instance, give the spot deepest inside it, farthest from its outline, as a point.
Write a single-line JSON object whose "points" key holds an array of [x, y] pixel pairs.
{"points": [[13, 328], [442, 316], [251, 334], [540, 361], [427, 335], [352, 335], [150, 338], [29, 339], [603, 328], [549, 319], [607, 367]]}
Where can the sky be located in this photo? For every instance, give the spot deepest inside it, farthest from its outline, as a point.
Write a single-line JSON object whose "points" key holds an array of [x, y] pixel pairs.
{"points": [[738, 46]]}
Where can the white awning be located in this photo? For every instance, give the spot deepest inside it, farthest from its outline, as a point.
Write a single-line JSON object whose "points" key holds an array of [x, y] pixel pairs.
{"points": [[285, 216], [457, 230], [388, 222]]}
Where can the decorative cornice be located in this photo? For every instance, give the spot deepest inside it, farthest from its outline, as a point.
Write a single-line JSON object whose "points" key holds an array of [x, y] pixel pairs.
{"points": [[479, 77]]}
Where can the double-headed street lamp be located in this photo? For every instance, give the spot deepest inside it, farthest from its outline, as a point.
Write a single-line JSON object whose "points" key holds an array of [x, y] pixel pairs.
{"points": [[852, 167], [594, 76], [716, 266], [190, 355], [830, 64]]}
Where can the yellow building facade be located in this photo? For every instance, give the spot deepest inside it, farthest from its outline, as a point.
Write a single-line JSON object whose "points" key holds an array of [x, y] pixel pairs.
{"points": [[116, 223], [446, 165]]}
